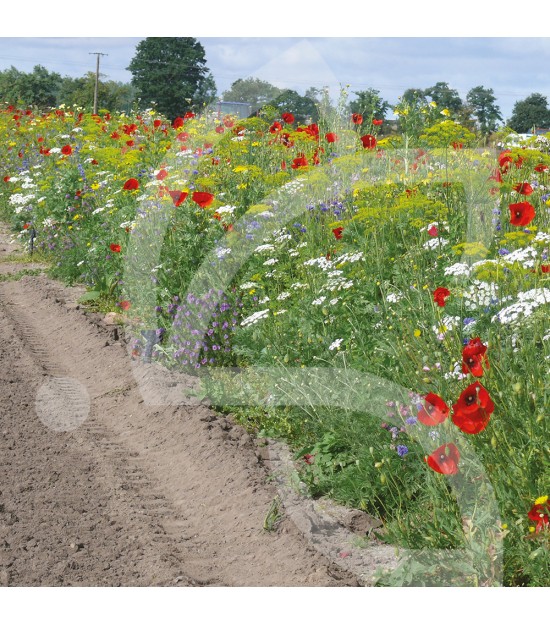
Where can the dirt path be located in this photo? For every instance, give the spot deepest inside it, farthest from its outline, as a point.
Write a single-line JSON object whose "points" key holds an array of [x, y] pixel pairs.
{"points": [[99, 489]]}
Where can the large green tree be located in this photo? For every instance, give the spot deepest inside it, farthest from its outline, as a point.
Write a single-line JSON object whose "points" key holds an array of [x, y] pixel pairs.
{"points": [[39, 87], [254, 91], [170, 73], [302, 107], [369, 104], [482, 102], [445, 97], [530, 113]]}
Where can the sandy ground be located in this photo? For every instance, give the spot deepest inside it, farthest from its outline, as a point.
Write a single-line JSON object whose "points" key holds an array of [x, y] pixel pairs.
{"points": [[99, 489]]}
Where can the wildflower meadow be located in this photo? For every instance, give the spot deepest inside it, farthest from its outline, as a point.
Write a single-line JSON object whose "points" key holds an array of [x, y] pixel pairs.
{"points": [[378, 300]]}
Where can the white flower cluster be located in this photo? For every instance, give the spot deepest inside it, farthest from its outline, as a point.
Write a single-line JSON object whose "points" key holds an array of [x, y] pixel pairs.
{"points": [[19, 201], [294, 185], [480, 294], [319, 300], [271, 261], [456, 372], [337, 283], [254, 318], [448, 322], [458, 269], [524, 307], [265, 248], [336, 344], [393, 298], [321, 262], [225, 209], [434, 244], [222, 252], [283, 296], [542, 236], [350, 258], [248, 285], [526, 257]]}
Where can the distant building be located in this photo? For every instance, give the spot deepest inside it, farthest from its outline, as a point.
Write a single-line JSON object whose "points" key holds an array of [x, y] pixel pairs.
{"points": [[239, 109]]}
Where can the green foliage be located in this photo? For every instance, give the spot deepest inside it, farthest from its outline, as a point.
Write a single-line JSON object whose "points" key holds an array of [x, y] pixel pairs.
{"points": [[255, 91], [482, 101], [530, 113], [39, 87], [170, 75], [303, 108]]}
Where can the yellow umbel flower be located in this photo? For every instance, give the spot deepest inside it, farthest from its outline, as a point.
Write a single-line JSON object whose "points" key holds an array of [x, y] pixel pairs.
{"points": [[541, 500]]}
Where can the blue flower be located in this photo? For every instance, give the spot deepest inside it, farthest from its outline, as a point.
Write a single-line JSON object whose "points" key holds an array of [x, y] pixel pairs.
{"points": [[402, 450]]}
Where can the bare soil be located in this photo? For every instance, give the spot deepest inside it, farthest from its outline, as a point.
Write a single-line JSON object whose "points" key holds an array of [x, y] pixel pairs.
{"points": [[98, 488]]}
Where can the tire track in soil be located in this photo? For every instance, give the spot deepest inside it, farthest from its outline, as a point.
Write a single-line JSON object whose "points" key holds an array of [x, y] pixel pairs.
{"points": [[137, 495]]}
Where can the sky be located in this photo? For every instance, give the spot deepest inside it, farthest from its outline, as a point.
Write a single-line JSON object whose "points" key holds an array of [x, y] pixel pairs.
{"points": [[387, 58]]}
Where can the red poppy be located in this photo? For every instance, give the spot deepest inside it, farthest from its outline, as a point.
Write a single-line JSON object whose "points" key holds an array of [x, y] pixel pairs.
{"points": [[6, 178], [115, 247], [288, 118], [202, 198], [338, 232], [189, 115], [444, 459], [377, 122], [521, 214], [125, 304], [440, 295], [369, 142], [129, 129], [131, 185], [130, 143], [474, 358], [312, 130], [177, 123], [472, 411], [545, 268], [457, 145], [220, 129], [434, 411], [115, 135], [67, 150], [524, 188], [541, 168], [308, 458], [504, 160], [157, 123], [496, 176], [26, 226], [357, 119], [162, 174], [228, 122], [275, 127], [433, 231], [40, 139], [299, 161], [539, 514], [94, 162], [331, 137], [178, 197], [283, 165], [182, 136], [286, 140]]}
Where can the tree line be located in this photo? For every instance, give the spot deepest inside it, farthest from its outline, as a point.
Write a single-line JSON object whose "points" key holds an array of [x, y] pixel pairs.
{"points": [[171, 74]]}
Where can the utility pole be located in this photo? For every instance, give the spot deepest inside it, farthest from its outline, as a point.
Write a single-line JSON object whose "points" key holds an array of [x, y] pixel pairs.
{"points": [[98, 54]]}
